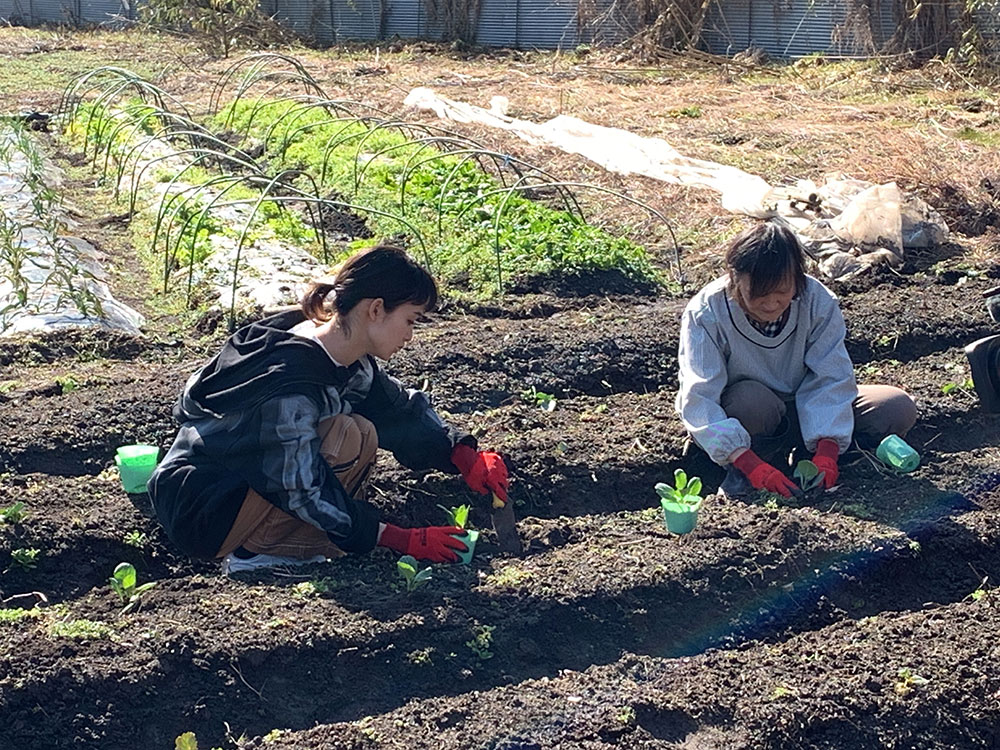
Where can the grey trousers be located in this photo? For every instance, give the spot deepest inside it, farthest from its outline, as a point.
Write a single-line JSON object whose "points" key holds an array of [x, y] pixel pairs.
{"points": [[879, 410]]}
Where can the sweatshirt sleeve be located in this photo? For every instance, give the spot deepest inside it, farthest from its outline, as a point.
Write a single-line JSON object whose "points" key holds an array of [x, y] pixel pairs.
{"points": [[300, 482], [825, 399], [703, 376], [408, 426]]}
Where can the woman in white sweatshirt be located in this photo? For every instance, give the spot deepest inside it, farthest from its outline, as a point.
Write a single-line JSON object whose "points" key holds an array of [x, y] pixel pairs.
{"points": [[763, 368]]}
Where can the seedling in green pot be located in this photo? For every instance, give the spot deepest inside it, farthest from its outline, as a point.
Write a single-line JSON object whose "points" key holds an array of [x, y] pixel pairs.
{"points": [[684, 492], [680, 503], [123, 583], [409, 569], [809, 477], [457, 516]]}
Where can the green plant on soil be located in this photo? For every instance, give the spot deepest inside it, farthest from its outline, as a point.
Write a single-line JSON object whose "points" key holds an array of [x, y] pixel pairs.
{"points": [[481, 641], [80, 630], [544, 401], [411, 572], [457, 515], [13, 513], [907, 681], [124, 583], [136, 539], [67, 384], [483, 231], [10, 616], [186, 741], [684, 492], [808, 475], [24, 558]]}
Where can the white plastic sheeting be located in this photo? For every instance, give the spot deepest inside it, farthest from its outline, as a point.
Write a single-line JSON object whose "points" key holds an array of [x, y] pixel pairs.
{"points": [[846, 224], [48, 279]]}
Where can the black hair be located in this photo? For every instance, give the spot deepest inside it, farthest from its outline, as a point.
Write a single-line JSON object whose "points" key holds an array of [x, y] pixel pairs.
{"points": [[381, 272], [766, 254]]}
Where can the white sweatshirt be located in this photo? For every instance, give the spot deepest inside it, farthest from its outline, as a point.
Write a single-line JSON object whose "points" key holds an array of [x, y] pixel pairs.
{"points": [[806, 363]]}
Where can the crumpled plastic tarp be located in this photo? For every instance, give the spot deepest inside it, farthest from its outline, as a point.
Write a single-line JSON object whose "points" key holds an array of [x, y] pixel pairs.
{"points": [[846, 224]]}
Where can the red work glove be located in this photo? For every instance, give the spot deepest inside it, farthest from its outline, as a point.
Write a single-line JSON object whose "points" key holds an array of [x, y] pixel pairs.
{"points": [[826, 461], [431, 543], [483, 471], [763, 476]]}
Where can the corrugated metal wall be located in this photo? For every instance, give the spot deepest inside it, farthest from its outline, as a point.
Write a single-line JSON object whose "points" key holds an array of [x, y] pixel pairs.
{"points": [[787, 28], [783, 28]]}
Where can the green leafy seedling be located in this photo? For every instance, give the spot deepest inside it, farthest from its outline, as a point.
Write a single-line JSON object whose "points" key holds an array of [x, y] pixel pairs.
{"points": [[457, 515], [545, 401], [409, 569], [24, 558], [14, 513], [808, 475], [684, 492], [123, 583]]}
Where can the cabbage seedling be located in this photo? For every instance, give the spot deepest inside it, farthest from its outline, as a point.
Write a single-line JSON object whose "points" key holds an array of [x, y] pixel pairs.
{"points": [[808, 475], [457, 516], [410, 571], [123, 583], [684, 492]]}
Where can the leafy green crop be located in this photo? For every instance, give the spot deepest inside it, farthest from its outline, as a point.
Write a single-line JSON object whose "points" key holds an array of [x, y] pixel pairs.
{"points": [[684, 492], [409, 569], [808, 475], [457, 515], [123, 583], [24, 558], [13, 513]]}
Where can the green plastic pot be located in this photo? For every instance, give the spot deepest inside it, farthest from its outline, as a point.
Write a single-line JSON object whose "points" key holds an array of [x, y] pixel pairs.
{"points": [[136, 464], [680, 518], [469, 537]]}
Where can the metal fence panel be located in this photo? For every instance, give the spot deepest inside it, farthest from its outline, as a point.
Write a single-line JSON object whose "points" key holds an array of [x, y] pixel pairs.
{"points": [[402, 18], [312, 19], [547, 24], [498, 23], [788, 28], [357, 19]]}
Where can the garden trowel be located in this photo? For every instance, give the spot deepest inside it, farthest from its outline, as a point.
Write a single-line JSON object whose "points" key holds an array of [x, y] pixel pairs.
{"points": [[503, 524]]}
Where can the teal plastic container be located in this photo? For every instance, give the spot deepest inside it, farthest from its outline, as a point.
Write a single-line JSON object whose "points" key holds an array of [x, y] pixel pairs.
{"points": [[469, 537], [680, 518], [895, 453], [136, 464]]}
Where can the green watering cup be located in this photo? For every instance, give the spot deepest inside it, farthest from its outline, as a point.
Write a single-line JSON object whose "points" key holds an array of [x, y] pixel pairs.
{"points": [[469, 537], [896, 454], [680, 518], [135, 465]]}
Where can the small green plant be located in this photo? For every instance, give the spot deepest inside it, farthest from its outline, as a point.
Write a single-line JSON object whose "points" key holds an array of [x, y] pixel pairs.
{"points": [[692, 111], [481, 641], [25, 558], [684, 492], [457, 515], [544, 401], [14, 513], [312, 589], [965, 385], [808, 475], [410, 571], [9, 616], [186, 741], [6, 386], [907, 681], [80, 630], [124, 583], [136, 539], [67, 383], [421, 657]]}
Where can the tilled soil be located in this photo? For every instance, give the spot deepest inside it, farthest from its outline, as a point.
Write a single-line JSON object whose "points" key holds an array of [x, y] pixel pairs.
{"points": [[863, 618]]}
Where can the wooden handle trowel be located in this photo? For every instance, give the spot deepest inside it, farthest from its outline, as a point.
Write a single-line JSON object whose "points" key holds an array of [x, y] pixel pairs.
{"points": [[503, 524]]}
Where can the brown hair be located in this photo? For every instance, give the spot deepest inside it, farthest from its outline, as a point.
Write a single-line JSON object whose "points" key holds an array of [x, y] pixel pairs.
{"points": [[767, 254], [383, 272]]}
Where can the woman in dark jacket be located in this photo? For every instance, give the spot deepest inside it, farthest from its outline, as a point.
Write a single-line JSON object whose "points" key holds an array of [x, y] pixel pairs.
{"points": [[279, 431]]}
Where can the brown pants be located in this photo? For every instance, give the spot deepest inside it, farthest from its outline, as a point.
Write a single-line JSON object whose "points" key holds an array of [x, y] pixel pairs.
{"points": [[879, 410], [349, 446]]}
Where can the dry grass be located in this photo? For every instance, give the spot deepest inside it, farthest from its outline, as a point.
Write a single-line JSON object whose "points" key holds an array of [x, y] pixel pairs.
{"points": [[924, 128]]}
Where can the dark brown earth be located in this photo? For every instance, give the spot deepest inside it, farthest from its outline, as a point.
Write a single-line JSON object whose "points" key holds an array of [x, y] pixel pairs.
{"points": [[848, 622]]}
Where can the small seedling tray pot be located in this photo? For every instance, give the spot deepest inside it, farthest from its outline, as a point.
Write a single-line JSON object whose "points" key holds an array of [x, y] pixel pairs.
{"points": [[680, 518], [136, 464], [469, 537]]}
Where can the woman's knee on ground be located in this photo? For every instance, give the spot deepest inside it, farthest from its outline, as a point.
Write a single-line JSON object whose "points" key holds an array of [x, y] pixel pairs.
{"points": [[882, 410], [759, 409]]}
